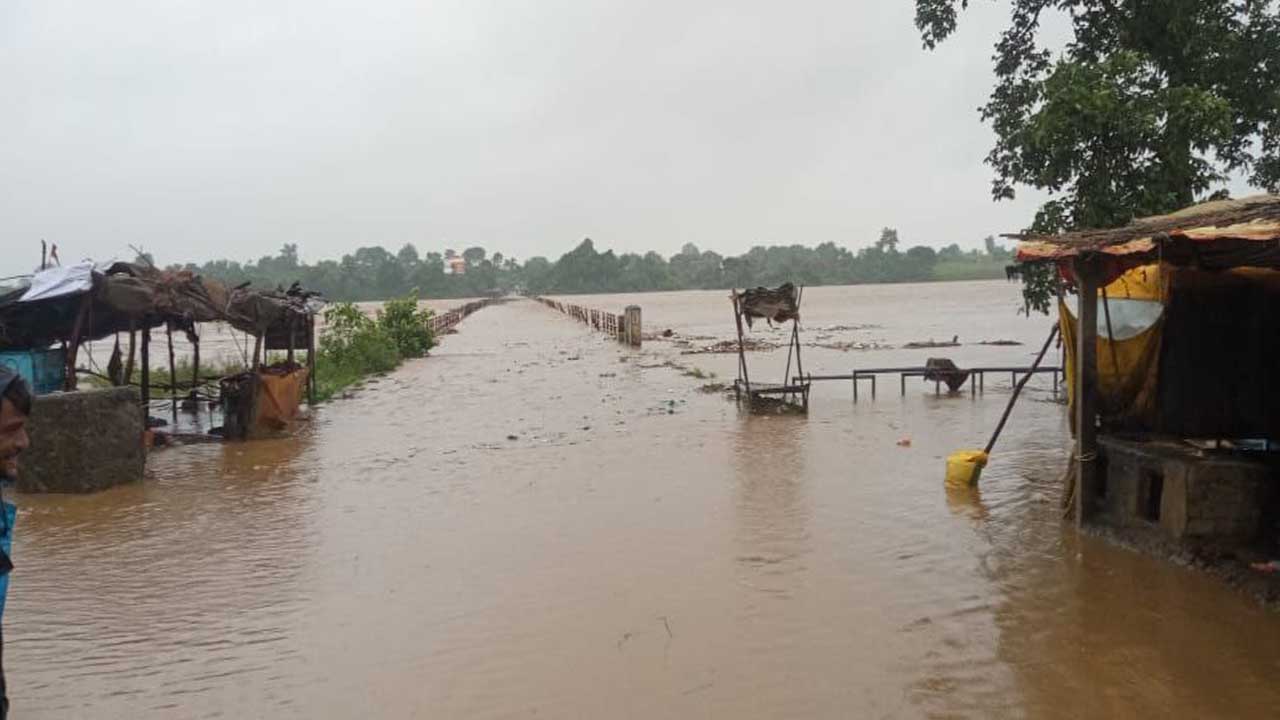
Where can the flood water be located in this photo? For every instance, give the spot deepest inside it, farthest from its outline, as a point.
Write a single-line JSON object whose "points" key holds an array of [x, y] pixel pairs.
{"points": [[538, 522]]}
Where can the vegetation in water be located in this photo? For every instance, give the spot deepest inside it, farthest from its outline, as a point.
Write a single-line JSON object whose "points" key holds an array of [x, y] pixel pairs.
{"points": [[374, 273], [354, 345], [210, 373], [1150, 107]]}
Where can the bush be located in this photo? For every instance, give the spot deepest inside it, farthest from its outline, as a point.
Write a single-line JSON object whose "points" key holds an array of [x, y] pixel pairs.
{"points": [[407, 326], [351, 347]]}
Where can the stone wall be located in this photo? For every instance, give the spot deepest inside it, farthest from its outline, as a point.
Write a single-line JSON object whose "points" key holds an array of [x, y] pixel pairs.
{"points": [[83, 441]]}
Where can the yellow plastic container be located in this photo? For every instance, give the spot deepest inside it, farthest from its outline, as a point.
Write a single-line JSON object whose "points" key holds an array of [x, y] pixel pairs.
{"points": [[964, 467]]}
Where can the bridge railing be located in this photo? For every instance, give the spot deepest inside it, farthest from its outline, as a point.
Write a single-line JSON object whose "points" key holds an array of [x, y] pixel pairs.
{"points": [[625, 327]]}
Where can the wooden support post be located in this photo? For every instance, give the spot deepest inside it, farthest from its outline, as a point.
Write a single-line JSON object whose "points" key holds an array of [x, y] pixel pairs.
{"points": [[73, 347], [292, 327], [133, 343], [195, 362], [1087, 276], [146, 373], [742, 352], [173, 371], [311, 360], [257, 352]]}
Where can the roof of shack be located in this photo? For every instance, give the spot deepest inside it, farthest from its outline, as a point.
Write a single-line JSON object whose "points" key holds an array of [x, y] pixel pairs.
{"points": [[128, 296], [1216, 235]]}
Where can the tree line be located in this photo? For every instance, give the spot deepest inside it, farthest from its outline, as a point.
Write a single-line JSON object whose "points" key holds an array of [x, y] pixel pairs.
{"points": [[375, 273]]}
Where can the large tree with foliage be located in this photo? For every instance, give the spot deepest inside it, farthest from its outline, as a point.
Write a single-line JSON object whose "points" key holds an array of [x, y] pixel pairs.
{"points": [[1148, 107]]}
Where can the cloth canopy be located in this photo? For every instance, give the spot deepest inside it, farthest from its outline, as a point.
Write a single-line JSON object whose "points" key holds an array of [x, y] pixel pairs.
{"points": [[774, 305]]}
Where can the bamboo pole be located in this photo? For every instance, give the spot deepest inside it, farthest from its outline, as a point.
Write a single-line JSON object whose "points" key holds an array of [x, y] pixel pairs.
{"points": [[1018, 389]]}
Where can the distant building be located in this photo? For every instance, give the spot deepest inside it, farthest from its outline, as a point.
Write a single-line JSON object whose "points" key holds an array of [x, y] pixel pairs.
{"points": [[456, 265]]}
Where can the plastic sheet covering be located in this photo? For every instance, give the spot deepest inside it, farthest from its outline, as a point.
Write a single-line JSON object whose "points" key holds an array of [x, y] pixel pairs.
{"points": [[1128, 370], [59, 281], [280, 395]]}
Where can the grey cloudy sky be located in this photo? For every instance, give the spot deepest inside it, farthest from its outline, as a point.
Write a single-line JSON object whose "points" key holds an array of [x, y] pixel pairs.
{"points": [[223, 129]]}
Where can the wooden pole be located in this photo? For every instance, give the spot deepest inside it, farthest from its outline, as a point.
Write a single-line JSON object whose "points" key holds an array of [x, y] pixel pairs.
{"points": [[195, 362], [742, 352], [1111, 336], [257, 352], [1018, 389], [795, 326], [146, 373], [73, 347], [311, 360], [173, 371], [1086, 451], [133, 342], [292, 328], [791, 348]]}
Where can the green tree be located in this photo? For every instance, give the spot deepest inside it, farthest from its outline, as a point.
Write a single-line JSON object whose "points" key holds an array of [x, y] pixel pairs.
{"points": [[473, 255], [1148, 107], [408, 256], [888, 241]]}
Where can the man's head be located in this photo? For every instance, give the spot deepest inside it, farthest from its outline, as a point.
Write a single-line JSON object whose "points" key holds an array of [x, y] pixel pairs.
{"points": [[15, 406]]}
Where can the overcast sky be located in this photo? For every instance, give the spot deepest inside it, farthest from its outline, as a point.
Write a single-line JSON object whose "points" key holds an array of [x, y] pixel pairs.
{"points": [[199, 130]]}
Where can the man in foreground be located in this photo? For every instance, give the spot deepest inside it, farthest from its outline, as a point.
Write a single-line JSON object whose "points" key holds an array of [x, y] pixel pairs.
{"points": [[15, 406]]}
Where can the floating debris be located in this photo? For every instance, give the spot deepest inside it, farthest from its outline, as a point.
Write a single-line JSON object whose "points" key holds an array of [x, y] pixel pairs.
{"points": [[731, 346], [852, 345], [955, 342], [846, 328]]}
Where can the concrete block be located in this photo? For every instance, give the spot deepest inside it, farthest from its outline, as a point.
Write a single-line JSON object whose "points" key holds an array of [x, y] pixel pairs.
{"points": [[83, 442], [1201, 497]]}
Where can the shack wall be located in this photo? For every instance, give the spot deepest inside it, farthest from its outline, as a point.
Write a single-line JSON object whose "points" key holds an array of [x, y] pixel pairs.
{"points": [[1217, 364], [83, 442]]}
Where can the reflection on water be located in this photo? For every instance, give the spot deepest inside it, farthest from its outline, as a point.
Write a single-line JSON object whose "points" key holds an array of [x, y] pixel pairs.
{"points": [[772, 511], [538, 521]]}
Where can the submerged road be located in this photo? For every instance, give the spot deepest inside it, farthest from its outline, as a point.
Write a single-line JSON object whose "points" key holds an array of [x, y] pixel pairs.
{"points": [[539, 522]]}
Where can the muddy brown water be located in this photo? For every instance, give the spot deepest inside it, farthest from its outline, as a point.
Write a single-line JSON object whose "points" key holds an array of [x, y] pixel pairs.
{"points": [[638, 550]]}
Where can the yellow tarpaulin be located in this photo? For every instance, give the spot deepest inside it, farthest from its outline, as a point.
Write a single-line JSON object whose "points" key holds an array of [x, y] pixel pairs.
{"points": [[1127, 368]]}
